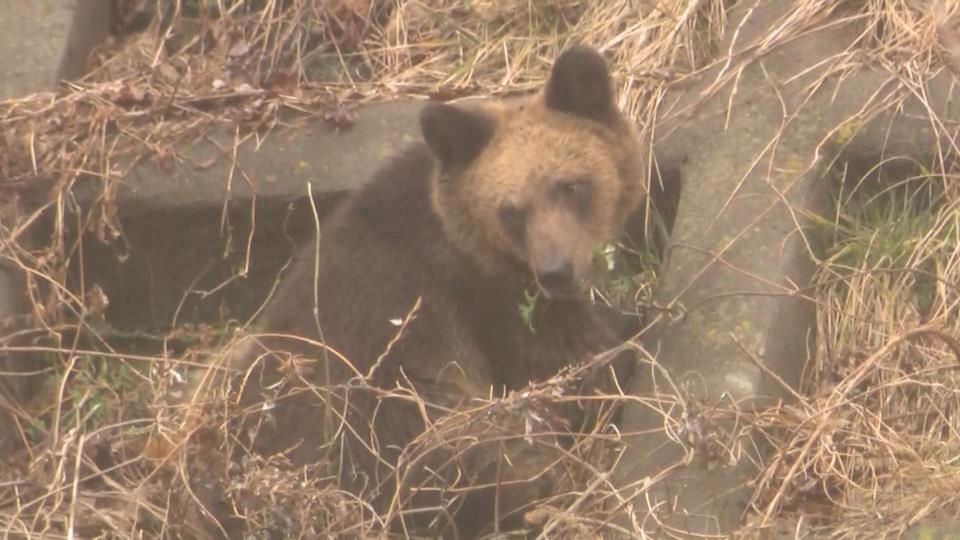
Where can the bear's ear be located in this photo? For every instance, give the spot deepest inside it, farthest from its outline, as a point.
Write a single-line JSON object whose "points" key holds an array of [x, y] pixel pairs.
{"points": [[580, 84], [455, 135]]}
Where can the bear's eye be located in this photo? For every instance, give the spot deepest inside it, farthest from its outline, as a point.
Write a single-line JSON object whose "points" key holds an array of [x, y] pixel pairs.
{"points": [[514, 221], [573, 187], [576, 194]]}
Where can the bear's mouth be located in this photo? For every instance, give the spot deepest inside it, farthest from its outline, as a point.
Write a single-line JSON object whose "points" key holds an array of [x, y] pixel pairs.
{"points": [[555, 288]]}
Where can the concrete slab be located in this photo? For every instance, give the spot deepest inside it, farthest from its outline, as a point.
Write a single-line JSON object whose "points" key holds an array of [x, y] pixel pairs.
{"points": [[88, 29], [754, 164], [34, 35], [278, 166], [190, 232], [187, 225], [188, 228]]}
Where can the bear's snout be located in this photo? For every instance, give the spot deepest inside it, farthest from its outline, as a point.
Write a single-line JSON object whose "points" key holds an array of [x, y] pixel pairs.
{"points": [[556, 277]]}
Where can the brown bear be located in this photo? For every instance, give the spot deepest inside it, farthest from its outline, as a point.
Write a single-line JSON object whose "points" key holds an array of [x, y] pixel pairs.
{"points": [[405, 309]]}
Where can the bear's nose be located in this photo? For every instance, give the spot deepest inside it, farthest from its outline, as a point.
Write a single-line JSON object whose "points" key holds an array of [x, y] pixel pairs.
{"points": [[556, 279]]}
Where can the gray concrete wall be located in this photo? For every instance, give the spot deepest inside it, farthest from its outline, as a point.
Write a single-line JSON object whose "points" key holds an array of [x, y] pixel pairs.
{"points": [[34, 34], [176, 247]]}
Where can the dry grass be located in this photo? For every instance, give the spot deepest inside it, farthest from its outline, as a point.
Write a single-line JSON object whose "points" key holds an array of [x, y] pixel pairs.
{"points": [[870, 450]]}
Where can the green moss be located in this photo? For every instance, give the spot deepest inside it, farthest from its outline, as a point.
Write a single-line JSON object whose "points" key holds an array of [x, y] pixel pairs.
{"points": [[846, 131]]}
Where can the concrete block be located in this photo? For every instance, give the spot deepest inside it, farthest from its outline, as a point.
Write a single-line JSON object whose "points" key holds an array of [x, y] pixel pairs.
{"points": [[189, 232], [34, 36]]}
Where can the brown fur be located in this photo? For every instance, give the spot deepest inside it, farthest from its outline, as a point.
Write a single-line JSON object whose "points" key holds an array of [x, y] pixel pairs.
{"points": [[431, 227]]}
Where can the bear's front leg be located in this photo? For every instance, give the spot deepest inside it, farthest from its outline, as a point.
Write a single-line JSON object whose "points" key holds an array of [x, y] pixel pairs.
{"points": [[478, 465]]}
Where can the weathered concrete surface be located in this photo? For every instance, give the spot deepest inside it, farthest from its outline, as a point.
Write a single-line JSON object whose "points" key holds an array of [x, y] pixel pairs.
{"points": [[740, 256], [279, 165], [934, 529], [34, 34], [89, 28], [15, 388], [188, 228], [184, 259]]}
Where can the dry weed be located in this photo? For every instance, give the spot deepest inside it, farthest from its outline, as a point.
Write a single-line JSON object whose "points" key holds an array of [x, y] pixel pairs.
{"points": [[871, 450]]}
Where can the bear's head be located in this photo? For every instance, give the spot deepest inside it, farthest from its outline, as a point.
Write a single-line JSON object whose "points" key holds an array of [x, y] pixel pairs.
{"points": [[536, 184]]}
